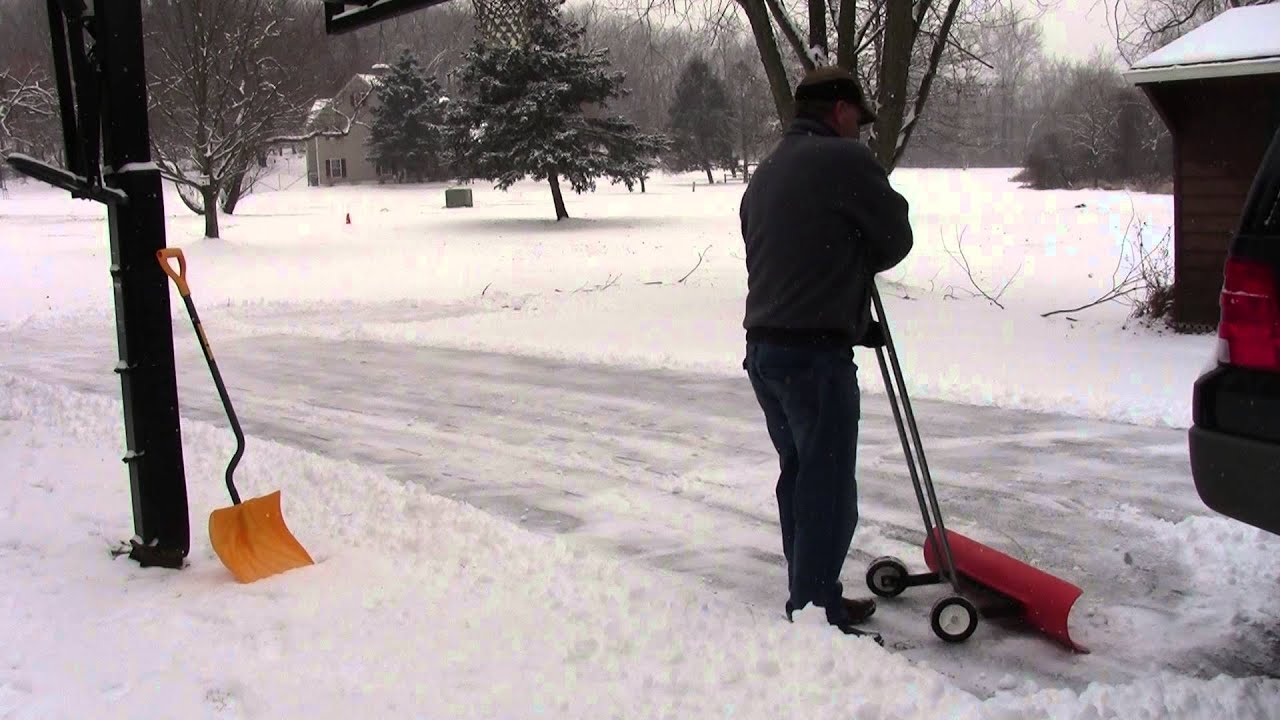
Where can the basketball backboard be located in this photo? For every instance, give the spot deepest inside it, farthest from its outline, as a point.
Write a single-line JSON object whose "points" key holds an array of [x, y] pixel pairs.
{"points": [[343, 16]]}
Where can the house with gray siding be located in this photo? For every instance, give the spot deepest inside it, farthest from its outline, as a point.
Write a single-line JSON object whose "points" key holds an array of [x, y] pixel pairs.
{"points": [[344, 160]]}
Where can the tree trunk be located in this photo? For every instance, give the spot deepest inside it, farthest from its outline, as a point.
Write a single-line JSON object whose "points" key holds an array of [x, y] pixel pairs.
{"points": [[818, 28], [847, 36], [210, 193], [786, 25], [235, 191], [561, 212], [931, 71], [774, 70], [710, 180], [894, 45], [895, 69], [642, 185]]}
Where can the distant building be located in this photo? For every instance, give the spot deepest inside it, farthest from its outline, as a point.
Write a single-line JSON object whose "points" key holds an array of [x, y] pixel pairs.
{"points": [[343, 160]]}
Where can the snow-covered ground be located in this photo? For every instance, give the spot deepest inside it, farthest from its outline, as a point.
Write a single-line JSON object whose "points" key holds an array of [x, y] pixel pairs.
{"points": [[542, 280], [423, 606]]}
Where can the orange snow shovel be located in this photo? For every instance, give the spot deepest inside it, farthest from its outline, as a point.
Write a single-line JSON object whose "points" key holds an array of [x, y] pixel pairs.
{"points": [[249, 537]]}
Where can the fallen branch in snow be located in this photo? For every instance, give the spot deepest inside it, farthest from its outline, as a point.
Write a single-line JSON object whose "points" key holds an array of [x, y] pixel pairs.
{"points": [[613, 280], [933, 281], [485, 290], [963, 262], [901, 284], [695, 267], [1112, 294], [1149, 273]]}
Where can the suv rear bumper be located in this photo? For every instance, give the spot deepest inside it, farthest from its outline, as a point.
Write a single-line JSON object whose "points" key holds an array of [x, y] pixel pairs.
{"points": [[1237, 476]]}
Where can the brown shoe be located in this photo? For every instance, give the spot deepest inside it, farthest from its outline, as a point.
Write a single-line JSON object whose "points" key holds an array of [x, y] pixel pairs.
{"points": [[848, 612], [851, 612]]}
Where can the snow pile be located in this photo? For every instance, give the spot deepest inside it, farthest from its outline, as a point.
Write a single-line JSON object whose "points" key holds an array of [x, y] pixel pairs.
{"points": [[1240, 567]]}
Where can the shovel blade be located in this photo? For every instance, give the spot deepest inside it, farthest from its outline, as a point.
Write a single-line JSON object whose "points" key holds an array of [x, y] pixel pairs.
{"points": [[252, 540], [1046, 600]]}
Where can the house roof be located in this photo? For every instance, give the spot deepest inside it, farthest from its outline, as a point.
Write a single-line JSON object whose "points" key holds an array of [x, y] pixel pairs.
{"points": [[358, 83], [1240, 41], [317, 107]]}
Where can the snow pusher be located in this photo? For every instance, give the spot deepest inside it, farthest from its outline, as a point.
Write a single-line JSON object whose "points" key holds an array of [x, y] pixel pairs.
{"points": [[1009, 587], [250, 537]]}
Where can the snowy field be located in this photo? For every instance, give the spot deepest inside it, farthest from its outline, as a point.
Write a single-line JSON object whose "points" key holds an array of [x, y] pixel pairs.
{"points": [[542, 281], [422, 606]]}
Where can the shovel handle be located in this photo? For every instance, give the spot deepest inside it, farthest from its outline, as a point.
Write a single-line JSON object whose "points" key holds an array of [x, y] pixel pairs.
{"points": [[179, 277]]}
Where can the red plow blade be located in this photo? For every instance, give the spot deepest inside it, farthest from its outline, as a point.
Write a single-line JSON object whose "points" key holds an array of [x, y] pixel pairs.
{"points": [[1046, 600]]}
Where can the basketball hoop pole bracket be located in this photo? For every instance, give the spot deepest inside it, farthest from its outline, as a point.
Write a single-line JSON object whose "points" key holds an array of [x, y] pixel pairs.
{"points": [[501, 22], [344, 16]]}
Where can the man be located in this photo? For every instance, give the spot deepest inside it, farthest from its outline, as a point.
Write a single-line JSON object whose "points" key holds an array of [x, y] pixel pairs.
{"points": [[819, 219]]}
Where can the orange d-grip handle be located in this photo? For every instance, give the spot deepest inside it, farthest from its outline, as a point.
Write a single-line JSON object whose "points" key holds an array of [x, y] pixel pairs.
{"points": [[179, 277]]}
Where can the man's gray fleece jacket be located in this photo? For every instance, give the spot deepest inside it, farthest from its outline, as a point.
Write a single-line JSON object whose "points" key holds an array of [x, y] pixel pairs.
{"points": [[819, 219]]}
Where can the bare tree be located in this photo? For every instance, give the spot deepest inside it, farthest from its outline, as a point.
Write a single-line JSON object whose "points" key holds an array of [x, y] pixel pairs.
{"points": [[219, 93], [961, 125], [28, 98], [751, 122], [896, 46], [24, 102], [24, 38], [1091, 117], [1012, 43], [1093, 128], [650, 56]]}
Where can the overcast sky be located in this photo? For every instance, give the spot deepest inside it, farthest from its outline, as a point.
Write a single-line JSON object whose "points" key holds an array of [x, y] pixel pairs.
{"points": [[1075, 28]]}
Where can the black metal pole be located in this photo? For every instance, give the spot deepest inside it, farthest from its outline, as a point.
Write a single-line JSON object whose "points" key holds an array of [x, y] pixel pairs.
{"points": [[143, 322], [66, 90]]}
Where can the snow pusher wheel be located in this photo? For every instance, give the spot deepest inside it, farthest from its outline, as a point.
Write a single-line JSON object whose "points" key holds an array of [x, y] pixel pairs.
{"points": [[954, 619], [887, 577]]}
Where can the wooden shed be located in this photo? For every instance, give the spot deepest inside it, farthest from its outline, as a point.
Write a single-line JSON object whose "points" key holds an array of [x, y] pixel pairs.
{"points": [[1218, 90]]}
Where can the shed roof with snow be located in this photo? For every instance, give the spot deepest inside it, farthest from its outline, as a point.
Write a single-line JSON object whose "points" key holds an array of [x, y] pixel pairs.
{"points": [[1240, 41]]}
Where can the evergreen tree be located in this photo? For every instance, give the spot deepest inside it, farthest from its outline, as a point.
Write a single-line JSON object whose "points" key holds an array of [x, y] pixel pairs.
{"points": [[700, 121], [405, 137], [538, 110]]}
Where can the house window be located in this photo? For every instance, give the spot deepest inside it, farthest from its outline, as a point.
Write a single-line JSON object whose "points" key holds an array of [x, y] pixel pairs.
{"points": [[335, 168]]}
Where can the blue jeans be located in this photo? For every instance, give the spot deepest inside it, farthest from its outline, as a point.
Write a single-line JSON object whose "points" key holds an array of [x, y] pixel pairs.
{"points": [[811, 402]]}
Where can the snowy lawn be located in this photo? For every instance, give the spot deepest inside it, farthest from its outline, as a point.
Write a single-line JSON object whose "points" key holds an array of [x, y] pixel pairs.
{"points": [[423, 607], [587, 289]]}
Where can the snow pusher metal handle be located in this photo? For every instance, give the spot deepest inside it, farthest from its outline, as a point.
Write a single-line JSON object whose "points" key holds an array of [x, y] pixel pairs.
{"points": [[881, 340], [1019, 589]]}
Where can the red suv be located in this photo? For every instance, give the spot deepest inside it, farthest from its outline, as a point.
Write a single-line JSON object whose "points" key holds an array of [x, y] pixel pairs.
{"points": [[1234, 440]]}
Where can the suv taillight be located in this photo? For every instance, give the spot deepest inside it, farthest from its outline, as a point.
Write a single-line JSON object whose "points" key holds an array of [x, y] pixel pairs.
{"points": [[1250, 325]]}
